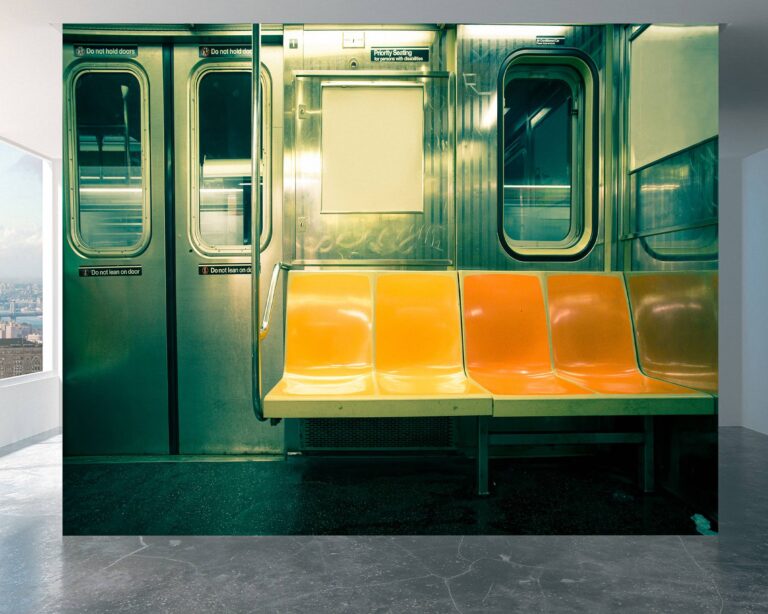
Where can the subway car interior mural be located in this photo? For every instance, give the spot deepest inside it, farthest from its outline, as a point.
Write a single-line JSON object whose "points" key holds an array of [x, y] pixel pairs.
{"points": [[439, 278]]}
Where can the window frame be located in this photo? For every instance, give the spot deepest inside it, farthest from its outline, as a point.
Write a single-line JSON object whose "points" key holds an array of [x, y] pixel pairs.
{"points": [[682, 254], [79, 244], [585, 154], [50, 252], [204, 68]]}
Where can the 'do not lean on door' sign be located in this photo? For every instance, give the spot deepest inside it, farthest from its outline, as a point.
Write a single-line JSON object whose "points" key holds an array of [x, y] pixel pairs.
{"points": [[224, 269], [110, 271]]}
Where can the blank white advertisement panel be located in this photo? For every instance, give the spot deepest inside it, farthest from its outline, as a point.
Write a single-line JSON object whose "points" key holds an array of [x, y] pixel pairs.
{"points": [[673, 90], [373, 149]]}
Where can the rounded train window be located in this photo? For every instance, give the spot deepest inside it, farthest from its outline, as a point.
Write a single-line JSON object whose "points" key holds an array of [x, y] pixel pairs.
{"points": [[547, 157], [110, 212], [221, 207]]}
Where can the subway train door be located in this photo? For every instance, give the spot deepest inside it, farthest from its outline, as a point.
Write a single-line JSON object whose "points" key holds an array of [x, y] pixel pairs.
{"points": [[115, 333], [213, 116]]}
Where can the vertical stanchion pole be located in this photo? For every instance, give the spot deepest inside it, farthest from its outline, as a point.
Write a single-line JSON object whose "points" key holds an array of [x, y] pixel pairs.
{"points": [[256, 218]]}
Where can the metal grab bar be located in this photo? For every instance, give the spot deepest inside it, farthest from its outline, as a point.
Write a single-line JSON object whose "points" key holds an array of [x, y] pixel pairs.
{"points": [[258, 407], [264, 330]]}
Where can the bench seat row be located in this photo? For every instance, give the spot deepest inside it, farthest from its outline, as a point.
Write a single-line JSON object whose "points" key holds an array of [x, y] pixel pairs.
{"points": [[407, 344]]}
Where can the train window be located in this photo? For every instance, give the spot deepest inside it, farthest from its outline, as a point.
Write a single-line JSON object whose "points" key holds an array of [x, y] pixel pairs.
{"points": [[222, 191], [111, 211], [546, 146]]}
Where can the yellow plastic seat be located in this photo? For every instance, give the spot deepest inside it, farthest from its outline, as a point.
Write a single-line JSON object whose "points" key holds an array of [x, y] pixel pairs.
{"points": [[675, 317], [328, 345], [593, 344], [418, 351], [331, 332], [507, 342]]}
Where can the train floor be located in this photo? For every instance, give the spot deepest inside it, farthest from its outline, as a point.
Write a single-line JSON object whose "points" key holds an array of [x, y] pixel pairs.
{"points": [[366, 496], [41, 572]]}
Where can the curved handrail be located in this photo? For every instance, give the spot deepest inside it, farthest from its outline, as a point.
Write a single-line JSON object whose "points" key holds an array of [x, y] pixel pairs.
{"points": [[264, 329]]}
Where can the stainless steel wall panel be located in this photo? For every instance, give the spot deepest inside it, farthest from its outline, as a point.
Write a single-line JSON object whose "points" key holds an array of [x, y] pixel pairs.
{"points": [[317, 57], [481, 51]]}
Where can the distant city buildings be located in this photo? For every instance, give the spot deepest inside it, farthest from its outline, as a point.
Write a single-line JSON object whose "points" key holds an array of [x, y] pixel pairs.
{"points": [[19, 357], [21, 334], [10, 329]]}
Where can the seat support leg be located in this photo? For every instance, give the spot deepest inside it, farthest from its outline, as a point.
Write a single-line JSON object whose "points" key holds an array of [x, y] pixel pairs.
{"points": [[482, 455], [647, 470]]}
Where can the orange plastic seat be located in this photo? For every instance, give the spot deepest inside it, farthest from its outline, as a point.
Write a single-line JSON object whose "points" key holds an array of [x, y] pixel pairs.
{"points": [[328, 344], [506, 337], [418, 342], [592, 337], [675, 316]]}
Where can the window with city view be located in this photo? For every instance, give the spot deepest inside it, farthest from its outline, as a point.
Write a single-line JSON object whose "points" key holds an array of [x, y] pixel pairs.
{"points": [[21, 262]]}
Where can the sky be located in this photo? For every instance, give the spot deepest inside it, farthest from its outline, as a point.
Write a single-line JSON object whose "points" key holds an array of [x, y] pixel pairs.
{"points": [[21, 200]]}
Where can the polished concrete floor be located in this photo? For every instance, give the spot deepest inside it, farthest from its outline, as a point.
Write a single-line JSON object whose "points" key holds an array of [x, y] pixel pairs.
{"points": [[42, 572]]}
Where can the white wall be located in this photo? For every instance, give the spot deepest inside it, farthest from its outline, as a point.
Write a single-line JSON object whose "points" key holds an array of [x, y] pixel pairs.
{"points": [[755, 280], [30, 97], [28, 406], [730, 305]]}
